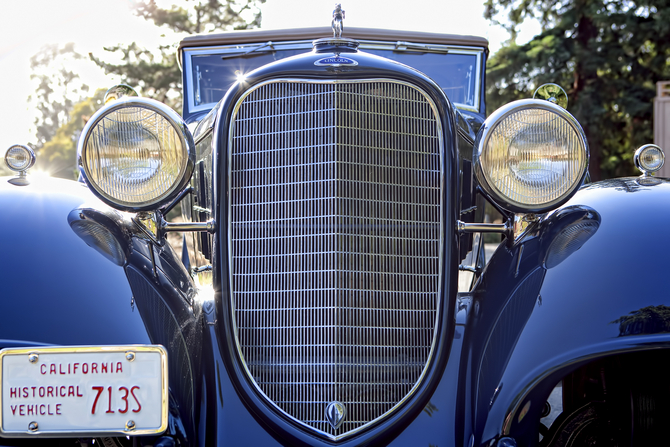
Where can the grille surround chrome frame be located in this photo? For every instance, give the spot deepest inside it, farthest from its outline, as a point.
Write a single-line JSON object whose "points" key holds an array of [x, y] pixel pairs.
{"points": [[439, 298]]}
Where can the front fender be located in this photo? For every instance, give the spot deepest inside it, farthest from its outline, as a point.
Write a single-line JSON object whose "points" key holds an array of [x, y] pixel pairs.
{"points": [[56, 289], [602, 295]]}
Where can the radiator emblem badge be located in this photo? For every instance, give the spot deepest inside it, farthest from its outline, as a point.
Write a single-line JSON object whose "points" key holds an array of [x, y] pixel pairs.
{"points": [[336, 61], [335, 414]]}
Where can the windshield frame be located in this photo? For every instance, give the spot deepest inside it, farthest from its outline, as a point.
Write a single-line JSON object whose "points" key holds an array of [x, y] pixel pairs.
{"points": [[232, 51]]}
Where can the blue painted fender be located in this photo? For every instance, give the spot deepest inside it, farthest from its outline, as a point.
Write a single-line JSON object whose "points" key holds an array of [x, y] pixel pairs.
{"points": [[587, 282], [55, 288]]}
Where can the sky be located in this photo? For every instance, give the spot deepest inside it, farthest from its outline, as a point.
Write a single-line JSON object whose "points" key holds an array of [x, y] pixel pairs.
{"points": [[95, 24]]}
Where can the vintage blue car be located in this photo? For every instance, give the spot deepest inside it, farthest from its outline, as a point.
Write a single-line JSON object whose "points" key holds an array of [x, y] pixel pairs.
{"points": [[332, 288]]}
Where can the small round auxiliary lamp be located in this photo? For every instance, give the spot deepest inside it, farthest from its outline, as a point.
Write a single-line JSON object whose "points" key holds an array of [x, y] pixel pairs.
{"points": [[553, 93], [19, 158], [119, 91], [649, 159]]}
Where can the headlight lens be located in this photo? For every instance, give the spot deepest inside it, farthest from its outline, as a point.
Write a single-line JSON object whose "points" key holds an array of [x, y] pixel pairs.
{"points": [[649, 158], [19, 158], [531, 156], [136, 154]]}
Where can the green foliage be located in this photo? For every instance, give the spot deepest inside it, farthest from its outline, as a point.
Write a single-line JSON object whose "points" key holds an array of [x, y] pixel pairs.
{"points": [[58, 88], [607, 54], [155, 76], [58, 155], [156, 73], [59, 97], [202, 16]]}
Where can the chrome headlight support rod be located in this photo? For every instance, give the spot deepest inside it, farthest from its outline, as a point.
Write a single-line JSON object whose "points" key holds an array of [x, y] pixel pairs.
{"points": [[155, 226], [504, 228], [198, 227], [512, 228]]}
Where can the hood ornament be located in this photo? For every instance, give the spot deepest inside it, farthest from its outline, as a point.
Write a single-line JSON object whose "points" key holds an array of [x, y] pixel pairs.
{"points": [[335, 414], [336, 44], [338, 16]]}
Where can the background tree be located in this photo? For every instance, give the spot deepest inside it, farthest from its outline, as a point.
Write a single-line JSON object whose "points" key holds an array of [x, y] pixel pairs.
{"points": [[607, 54], [58, 88], [58, 155], [60, 94], [156, 73]]}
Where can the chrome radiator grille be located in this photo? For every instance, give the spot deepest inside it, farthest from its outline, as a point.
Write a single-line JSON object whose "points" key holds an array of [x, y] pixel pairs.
{"points": [[335, 223]]}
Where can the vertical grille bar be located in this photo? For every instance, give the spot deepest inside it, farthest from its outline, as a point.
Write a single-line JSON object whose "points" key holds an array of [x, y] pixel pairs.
{"points": [[335, 208]]}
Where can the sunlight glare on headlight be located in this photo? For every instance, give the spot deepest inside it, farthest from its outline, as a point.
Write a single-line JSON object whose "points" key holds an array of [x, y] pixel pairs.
{"points": [[136, 154], [532, 155]]}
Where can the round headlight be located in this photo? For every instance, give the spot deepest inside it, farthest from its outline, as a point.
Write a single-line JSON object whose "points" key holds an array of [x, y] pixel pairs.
{"points": [[530, 156], [649, 158], [19, 158], [136, 154]]}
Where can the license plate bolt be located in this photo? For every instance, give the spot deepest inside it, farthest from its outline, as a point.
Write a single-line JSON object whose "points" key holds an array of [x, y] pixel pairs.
{"points": [[130, 425], [130, 356], [33, 426], [32, 357]]}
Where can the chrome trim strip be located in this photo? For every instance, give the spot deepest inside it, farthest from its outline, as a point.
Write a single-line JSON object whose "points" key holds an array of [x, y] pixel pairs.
{"points": [[440, 245], [205, 134], [307, 44]]}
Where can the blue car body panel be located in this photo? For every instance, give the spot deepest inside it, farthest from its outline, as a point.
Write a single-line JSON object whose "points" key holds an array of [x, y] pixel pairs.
{"points": [[599, 301], [56, 289]]}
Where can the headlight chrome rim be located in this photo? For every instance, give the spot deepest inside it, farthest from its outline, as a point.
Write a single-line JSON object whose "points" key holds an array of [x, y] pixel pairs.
{"points": [[649, 151], [182, 134], [25, 152], [483, 139]]}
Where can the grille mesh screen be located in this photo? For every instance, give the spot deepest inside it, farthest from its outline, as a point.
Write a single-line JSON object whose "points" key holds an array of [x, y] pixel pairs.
{"points": [[335, 235]]}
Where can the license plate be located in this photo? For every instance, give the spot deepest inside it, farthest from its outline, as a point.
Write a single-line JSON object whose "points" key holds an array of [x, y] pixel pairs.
{"points": [[82, 390]]}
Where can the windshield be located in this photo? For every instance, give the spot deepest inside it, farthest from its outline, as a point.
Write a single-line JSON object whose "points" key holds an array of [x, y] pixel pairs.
{"points": [[211, 72], [455, 73]]}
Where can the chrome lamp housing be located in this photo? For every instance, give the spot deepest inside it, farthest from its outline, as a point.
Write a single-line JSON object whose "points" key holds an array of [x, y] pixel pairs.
{"points": [[530, 156], [136, 154], [649, 159], [19, 158]]}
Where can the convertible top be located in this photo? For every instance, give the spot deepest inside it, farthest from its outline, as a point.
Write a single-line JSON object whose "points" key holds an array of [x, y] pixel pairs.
{"points": [[284, 35]]}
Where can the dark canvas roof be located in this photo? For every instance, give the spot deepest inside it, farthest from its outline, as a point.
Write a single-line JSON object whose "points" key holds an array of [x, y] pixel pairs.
{"points": [[264, 35]]}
